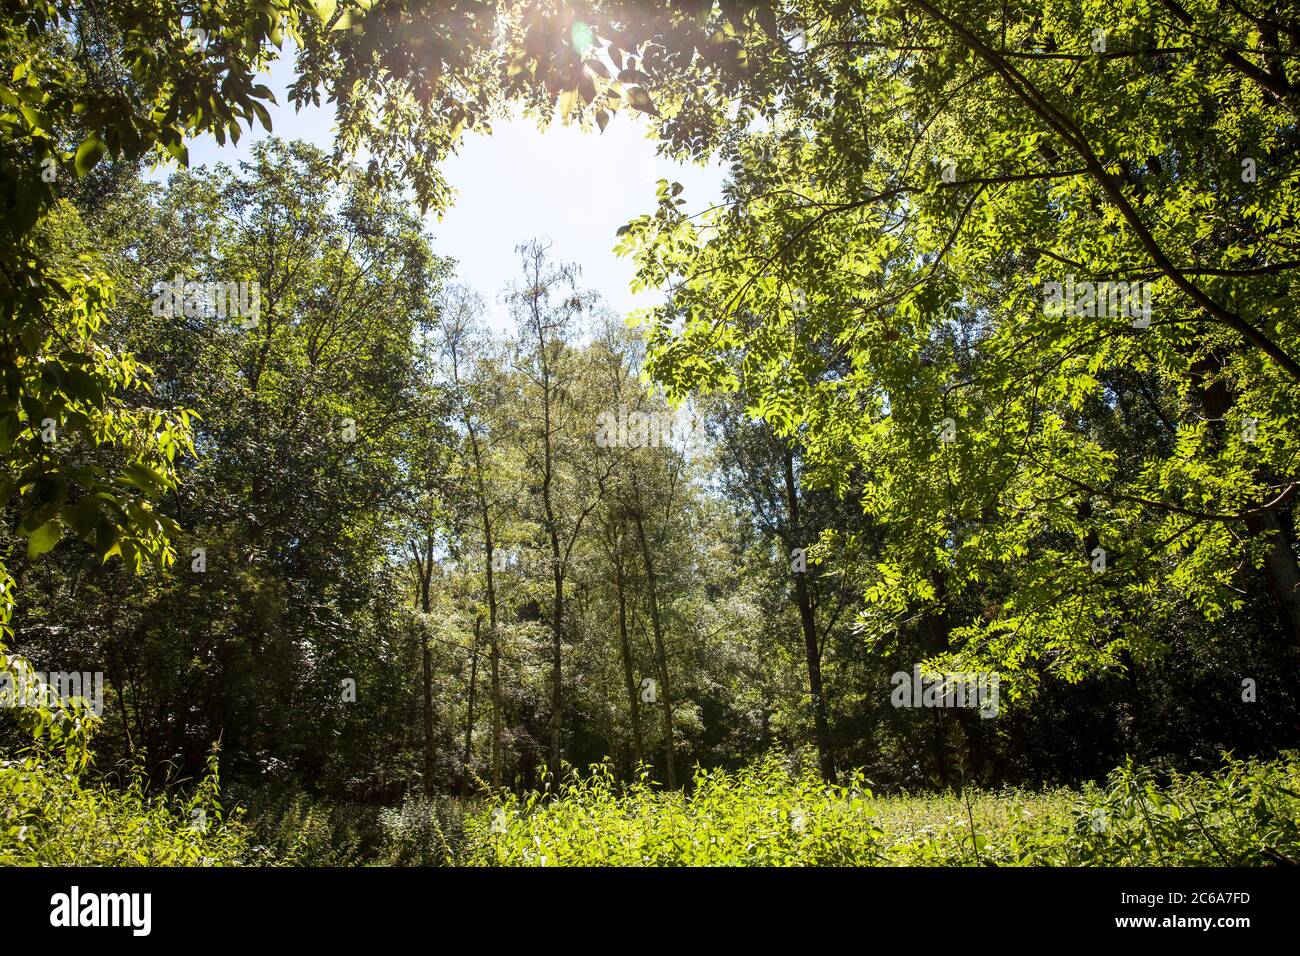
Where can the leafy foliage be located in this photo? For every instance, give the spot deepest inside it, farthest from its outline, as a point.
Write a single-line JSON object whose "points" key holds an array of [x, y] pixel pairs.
{"points": [[773, 813], [419, 567], [877, 285], [49, 817]]}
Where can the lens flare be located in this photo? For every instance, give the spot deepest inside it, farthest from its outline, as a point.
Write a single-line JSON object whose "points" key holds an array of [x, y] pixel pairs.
{"points": [[583, 38]]}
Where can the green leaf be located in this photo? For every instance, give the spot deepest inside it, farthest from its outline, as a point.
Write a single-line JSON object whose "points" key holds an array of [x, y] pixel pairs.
{"points": [[44, 538], [262, 114], [640, 100], [144, 478], [180, 152], [83, 516], [568, 100], [88, 154]]}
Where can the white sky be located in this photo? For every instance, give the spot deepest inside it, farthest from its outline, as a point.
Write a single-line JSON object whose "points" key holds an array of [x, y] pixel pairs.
{"points": [[572, 187]]}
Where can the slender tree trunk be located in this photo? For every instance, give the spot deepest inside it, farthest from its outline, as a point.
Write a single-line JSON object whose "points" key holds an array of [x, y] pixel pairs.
{"points": [[425, 568], [664, 697], [557, 583], [629, 678], [469, 719], [428, 718], [485, 515], [812, 652], [1280, 570], [119, 685], [938, 639], [557, 650], [496, 712], [494, 646], [552, 532]]}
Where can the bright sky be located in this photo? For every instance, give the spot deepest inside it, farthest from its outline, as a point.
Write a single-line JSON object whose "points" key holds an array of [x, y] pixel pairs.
{"points": [[572, 187]]}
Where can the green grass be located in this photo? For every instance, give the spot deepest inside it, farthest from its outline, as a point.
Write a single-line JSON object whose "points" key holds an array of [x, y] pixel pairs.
{"points": [[50, 816], [774, 813], [1247, 813]]}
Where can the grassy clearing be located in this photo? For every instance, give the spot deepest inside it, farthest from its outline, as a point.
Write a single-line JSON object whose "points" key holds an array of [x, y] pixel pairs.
{"points": [[50, 816], [772, 814]]}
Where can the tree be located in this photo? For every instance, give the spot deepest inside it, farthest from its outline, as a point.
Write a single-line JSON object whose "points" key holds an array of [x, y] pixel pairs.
{"points": [[294, 502], [647, 498], [762, 476], [132, 82], [473, 363], [888, 278], [553, 431]]}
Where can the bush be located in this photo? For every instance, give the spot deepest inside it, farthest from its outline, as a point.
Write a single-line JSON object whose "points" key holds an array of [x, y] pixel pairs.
{"points": [[424, 831], [778, 814], [301, 830], [295, 829], [49, 817]]}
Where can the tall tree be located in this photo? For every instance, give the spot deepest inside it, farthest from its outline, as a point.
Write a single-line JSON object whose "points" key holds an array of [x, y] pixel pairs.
{"points": [[966, 239], [473, 367], [556, 436]]}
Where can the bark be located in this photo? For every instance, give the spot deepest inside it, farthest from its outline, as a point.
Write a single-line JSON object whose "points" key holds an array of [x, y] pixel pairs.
{"points": [[664, 695], [469, 719], [495, 661], [424, 567], [494, 644], [119, 683], [489, 551], [557, 568], [812, 652], [1280, 569], [557, 651], [428, 719], [629, 677]]}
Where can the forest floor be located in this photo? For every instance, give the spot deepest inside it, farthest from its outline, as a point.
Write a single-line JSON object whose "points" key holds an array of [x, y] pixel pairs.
{"points": [[776, 814]]}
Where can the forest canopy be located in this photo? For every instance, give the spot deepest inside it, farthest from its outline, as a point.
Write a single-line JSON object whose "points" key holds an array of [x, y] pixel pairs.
{"points": [[960, 448]]}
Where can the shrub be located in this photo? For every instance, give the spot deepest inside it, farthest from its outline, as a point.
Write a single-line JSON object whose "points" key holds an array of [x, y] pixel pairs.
{"points": [[423, 831], [296, 829], [776, 813], [49, 817]]}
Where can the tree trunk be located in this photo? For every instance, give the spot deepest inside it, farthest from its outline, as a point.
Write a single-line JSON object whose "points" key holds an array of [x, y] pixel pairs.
{"points": [[557, 650], [496, 712], [1280, 570], [494, 646], [557, 569], [629, 678], [469, 719], [428, 716], [664, 698], [1280, 567], [489, 552], [812, 653], [424, 566]]}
